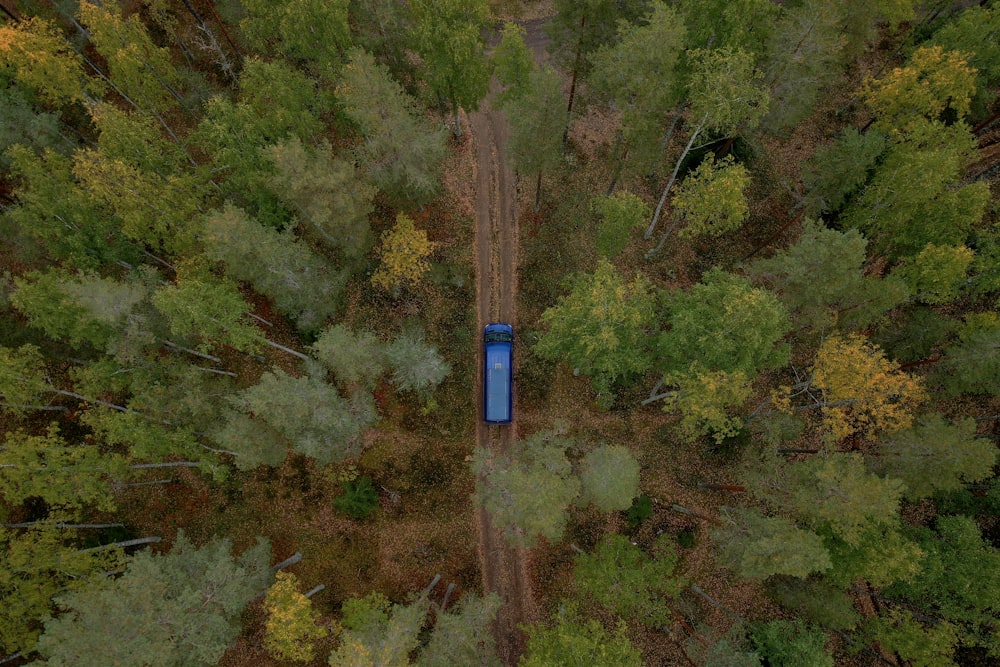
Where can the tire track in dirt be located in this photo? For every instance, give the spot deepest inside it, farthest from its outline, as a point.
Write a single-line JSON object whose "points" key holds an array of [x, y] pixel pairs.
{"points": [[504, 568]]}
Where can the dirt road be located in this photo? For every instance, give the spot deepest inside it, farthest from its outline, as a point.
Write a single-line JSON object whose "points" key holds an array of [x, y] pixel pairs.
{"points": [[504, 567]]}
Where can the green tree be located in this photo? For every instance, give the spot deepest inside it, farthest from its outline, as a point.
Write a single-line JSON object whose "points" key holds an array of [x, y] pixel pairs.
{"points": [[22, 376], [512, 60], [416, 364], [400, 151], [971, 364], [463, 635], [142, 71], [934, 455], [61, 474], [805, 52], [881, 556], [726, 95], [275, 102], [609, 476], [601, 327], [311, 30], [839, 168], [712, 199], [936, 275], [791, 644], [79, 309], [253, 441], [959, 580], [332, 202], [815, 600], [180, 608], [621, 213], [832, 490], [822, 281], [577, 29], [22, 124], [744, 24], [537, 120], [210, 310], [377, 634], [623, 579], [757, 546], [301, 283], [54, 210], [527, 492], [352, 357], [38, 564], [723, 323], [921, 646], [291, 629], [916, 196], [637, 75], [577, 643], [447, 35], [310, 413]]}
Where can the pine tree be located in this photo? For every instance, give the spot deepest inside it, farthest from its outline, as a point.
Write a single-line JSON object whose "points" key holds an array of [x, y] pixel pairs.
{"points": [[377, 634], [416, 364], [400, 151], [352, 357], [623, 579], [301, 283], [934, 455], [463, 636], [180, 608], [609, 478], [571, 642], [446, 34], [528, 491], [757, 546], [310, 30], [620, 215]]}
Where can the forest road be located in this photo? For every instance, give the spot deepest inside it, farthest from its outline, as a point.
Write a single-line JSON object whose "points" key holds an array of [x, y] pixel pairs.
{"points": [[504, 567]]}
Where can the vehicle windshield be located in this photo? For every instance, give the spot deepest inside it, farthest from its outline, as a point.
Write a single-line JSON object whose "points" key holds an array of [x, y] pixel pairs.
{"points": [[499, 337]]}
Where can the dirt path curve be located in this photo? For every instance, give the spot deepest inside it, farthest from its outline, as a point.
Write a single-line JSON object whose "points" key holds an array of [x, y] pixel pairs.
{"points": [[504, 567]]}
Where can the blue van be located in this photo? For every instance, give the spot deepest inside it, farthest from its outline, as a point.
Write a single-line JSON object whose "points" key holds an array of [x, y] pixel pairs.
{"points": [[498, 373]]}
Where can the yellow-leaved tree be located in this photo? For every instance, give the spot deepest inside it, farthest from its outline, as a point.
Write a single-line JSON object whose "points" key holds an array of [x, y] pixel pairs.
{"points": [[403, 251], [931, 81], [291, 628], [863, 392]]}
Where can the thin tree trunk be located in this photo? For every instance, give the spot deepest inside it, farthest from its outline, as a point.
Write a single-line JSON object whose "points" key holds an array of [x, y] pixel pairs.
{"points": [[792, 450], [196, 353], [722, 487], [315, 589], [447, 595], [122, 485], [113, 406], [458, 119], [288, 562], [683, 510], [217, 371], [12, 656], [286, 349], [772, 238], [572, 84], [126, 543], [621, 155], [42, 408], [695, 588], [29, 524], [673, 176], [166, 464], [15, 19], [538, 192], [667, 137]]}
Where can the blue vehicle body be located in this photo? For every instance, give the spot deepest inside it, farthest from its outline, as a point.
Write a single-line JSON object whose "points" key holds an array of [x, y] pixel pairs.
{"points": [[498, 373]]}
